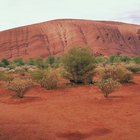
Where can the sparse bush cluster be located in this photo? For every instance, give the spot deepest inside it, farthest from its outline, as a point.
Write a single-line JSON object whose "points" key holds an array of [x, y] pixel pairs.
{"points": [[78, 65]]}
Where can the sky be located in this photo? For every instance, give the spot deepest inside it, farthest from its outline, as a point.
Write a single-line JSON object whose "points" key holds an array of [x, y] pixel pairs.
{"points": [[15, 13]]}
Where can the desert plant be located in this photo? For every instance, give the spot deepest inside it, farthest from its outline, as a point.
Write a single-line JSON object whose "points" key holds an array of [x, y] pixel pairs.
{"points": [[107, 86], [50, 80], [114, 59], [116, 72], [18, 62], [31, 61], [118, 59], [6, 77], [125, 59], [137, 59], [37, 75], [5, 62], [41, 63], [100, 59], [20, 87], [79, 64], [133, 67]]}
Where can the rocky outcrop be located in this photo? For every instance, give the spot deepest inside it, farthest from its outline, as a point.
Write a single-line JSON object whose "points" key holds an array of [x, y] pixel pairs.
{"points": [[57, 36]]}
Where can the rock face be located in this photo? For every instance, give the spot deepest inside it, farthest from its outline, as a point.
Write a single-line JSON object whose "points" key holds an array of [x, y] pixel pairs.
{"points": [[57, 36]]}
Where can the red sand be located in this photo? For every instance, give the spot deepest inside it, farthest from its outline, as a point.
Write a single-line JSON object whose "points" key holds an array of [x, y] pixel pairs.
{"points": [[76, 113]]}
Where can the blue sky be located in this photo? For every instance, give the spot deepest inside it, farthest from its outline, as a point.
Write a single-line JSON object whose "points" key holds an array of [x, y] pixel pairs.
{"points": [[14, 13]]}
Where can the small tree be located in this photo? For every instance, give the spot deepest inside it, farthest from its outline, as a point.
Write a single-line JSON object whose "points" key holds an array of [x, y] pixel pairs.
{"points": [[79, 64], [107, 86]]}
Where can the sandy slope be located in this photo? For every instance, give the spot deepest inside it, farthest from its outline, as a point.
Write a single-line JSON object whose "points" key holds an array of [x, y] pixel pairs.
{"points": [[57, 36], [77, 113]]}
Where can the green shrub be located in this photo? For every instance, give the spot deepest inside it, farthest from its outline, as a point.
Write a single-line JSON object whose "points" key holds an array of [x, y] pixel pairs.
{"points": [[18, 62], [125, 59], [5, 62], [114, 59], [118, 59], [79, 65], [100, 59], [20, 87], [41, 63], [137, 59], [51, 60], [133, 67], [116, 72], [107, 86], [31, 61]]}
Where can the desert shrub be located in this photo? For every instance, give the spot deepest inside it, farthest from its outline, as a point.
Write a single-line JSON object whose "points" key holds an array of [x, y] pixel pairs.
{"points": [[79, 64], [133, 67], [20, 87], [37, 75], [41, 63], [12, 65], [107, 86], [117, 59], [54, 61], [137, 59], [6, 76], [125, 59], [20, 70], [18, 62], [100, 59], [5, 62], [116, 72], [51, 60], [114, 59], [31, 61], [50, 80]]}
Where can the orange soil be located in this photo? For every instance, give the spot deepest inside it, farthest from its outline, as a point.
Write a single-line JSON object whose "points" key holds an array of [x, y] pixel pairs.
{"points": [[76, 113]]}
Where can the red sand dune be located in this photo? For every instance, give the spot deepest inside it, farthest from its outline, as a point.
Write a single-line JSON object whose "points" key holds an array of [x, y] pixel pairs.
{"points": [[55, 37], [76, 113]]}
